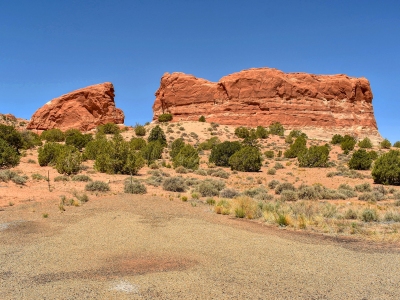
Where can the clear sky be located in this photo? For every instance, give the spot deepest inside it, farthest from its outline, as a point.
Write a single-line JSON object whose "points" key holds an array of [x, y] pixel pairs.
{"points": [[49, 48]]}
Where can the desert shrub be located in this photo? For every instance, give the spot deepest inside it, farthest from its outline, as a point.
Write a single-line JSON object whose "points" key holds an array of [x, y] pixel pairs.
{"points": [[209, 144], [246, 207], [165, 117], [369, 215], [261, 132], [273, 184], [75, 138], [371, 196], [360, 160], [315, 156], [337, 139], [386, 144], [276, 129], [269, 154], [396, 144], [297, 133], [242, 132], [202, 119], [221, 153], [134, 162], [349, 193], [283, 187], [278, 166], [84, 178], [152, 151], [97, 186], [176, 146], [258, 193], [181, 170], [392, 216], [348, 143], [68, 160], [7, 175], [155, 180], [157, 134], [386, 169], [219, 173], [271, 171], [247, 159], [96, 147], [228, 193], [350, 214], [174, 184], [201, 172], [251, 140], [187, 157], [373, 155], [11, 136], [47, 154], [140, 130], [37, 176], [364, 187], [21, 180], [308, 193], [296, 148], [134, 187], [8, 155], [30, 139], [365, 143], [137, 143], [209, 187], [53, 135], [108, 128], [223, 207], [288, 195], [61, 178]]}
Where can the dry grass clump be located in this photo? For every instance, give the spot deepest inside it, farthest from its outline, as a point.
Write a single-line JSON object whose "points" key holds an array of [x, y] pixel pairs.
{"points": [[223, 207], [246, 207]]}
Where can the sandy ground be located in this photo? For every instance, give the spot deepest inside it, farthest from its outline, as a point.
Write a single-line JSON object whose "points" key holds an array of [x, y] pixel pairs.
{"points": [[144, 247]]}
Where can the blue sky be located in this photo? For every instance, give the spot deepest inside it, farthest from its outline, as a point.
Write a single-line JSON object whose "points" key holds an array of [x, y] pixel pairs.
{"points": [[49, 48]]}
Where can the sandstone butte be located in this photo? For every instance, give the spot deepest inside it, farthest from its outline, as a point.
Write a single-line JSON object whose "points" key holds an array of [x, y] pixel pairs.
{"points": [[83, 109], [319, 105]]}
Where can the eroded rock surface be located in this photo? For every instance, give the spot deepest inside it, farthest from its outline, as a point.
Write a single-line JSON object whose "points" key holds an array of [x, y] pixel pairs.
{"points": [[83, 109], [318, 104]]}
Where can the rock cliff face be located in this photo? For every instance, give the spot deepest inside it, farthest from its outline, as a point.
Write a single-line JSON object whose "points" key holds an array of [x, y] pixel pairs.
{"points": [[320, 105], [83, 109]]}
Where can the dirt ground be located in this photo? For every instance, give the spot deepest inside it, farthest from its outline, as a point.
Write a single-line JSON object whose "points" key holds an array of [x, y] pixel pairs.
{"points": [[147, 247]]}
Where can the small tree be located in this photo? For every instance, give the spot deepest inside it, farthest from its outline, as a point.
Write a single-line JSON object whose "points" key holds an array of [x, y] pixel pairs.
{"points": [[165, 117], [140, 130], [11, 136], [152, 151], [187, 157], [296, 148], [202, 119], [365, 143], [348, 143], [247, 159], [47, 155], [360, 160], [53, 135], [134, 163], [242, 132], [276, 129], [315, 156], [68, 160], [261, 132], [137, 143], [157, 134], [386, 169], [8, 156], [386, 144], [221, 153], [176, 146], [108, 128], [75, 138], [337, 139]]}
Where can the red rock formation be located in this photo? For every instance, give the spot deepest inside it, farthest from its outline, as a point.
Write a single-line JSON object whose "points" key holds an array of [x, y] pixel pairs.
{"points": [[314, 103], [83, 109]]}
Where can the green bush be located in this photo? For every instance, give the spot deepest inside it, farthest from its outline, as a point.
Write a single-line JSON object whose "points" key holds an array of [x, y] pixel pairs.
{"points": [[97, 186], [396, 144], [373, 155], [348, 143], [314, 157], [269, 154], [221, 153], [75, 138], [288, 195], [137, 143], [53, 135], [61, 178], [165, 118], [209, 144], [12, 137], [247, 159], [134, 187], [261, 132], [363, 187], [365, 143], [360, 160], [286, 186], [152, 151], [187, 157], [202, 119], [271, 171], [369, 215], [337, 139], [297, 133], [176, 146], [134, 162], [8, 155], [68, 160], [96, 147], [30, 139], [276, 129], [108, 128], [83, 178], [242, 132], [48, 153], [386, 144], [140, 130], [296, 148], [386, 169], [174, 184], [209, 187], [157, 134]]}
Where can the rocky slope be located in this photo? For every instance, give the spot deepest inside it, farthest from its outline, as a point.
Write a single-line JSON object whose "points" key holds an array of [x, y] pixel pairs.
{"points": [[320, 105], [83, 109]]}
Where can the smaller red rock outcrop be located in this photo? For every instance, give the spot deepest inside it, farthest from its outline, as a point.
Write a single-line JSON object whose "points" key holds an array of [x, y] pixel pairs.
{"points": [[83, 109]]}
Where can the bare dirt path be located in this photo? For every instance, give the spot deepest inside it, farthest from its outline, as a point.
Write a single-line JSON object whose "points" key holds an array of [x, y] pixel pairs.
{"points": [[143, 247]]}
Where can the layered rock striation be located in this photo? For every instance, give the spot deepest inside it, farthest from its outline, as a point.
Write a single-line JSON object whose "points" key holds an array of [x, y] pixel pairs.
{"points": [[83, 109], [318, 104]]}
